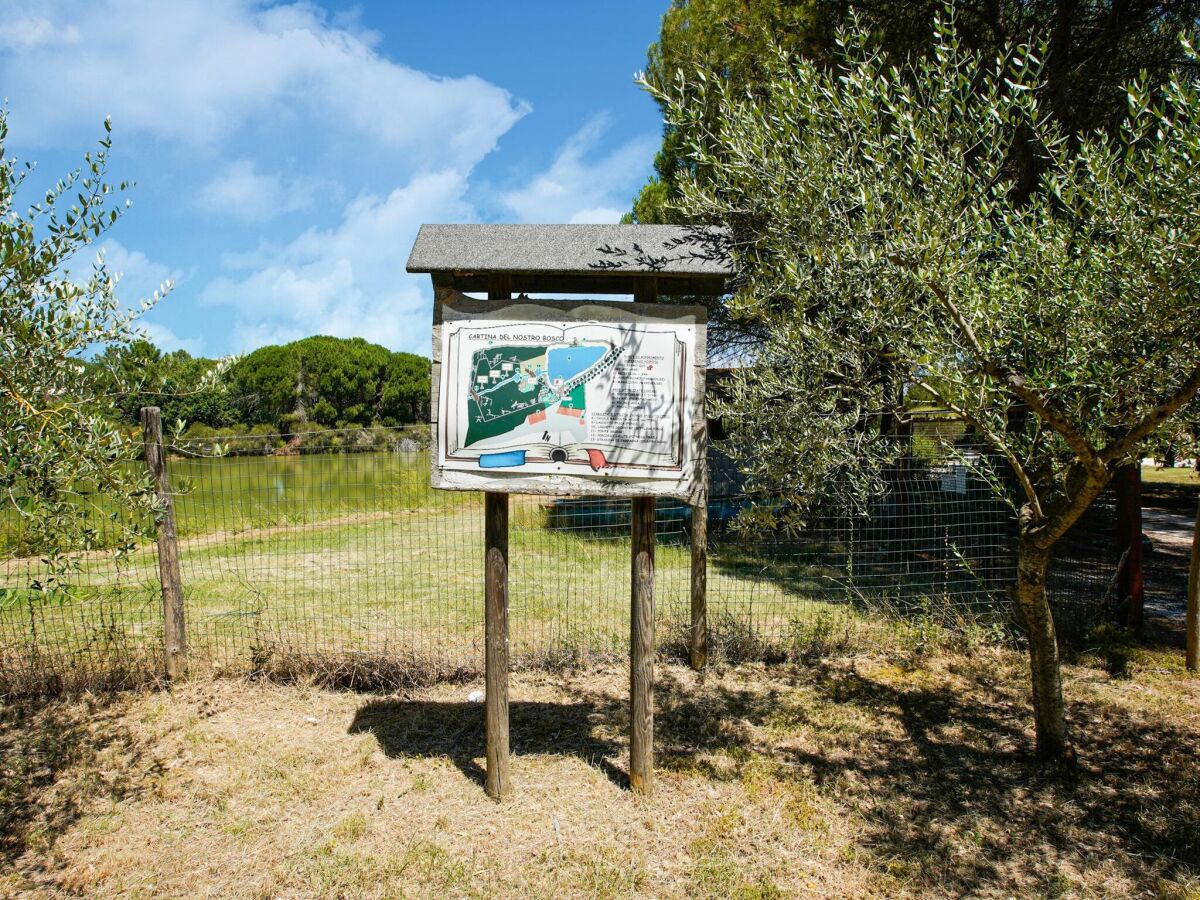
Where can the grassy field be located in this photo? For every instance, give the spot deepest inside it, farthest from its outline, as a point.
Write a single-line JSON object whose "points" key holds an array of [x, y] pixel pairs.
{"points": [[320, 558], [1176, 475], [904, 774], [1175, 488]]}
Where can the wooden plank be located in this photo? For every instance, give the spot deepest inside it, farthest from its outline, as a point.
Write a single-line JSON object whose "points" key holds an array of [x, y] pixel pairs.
{"points": [[645, 290], [698, 645], [641, 648], [495, 593], [601, 283], [169, 575], [641, 621]]}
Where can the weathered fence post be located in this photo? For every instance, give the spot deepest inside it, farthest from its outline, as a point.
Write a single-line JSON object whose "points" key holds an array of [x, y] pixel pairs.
{"points": [[496, 616], [1128, 483], [1193, 600], [641, 648], [174, 634], [698, 644]]}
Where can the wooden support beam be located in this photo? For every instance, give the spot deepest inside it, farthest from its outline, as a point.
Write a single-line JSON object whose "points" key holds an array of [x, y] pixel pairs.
{"points": [[641, 620], [495, 593], [1128, 483], [496, 642], [641, 648], [169, 575], [645, 290]]}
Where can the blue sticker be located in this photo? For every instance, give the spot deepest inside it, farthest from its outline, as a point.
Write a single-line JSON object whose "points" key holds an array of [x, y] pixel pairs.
{"points": [[502, 460]]}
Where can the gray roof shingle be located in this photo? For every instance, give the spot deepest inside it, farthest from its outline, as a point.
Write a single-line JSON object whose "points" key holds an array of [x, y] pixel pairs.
{"points": [[592, 250]]}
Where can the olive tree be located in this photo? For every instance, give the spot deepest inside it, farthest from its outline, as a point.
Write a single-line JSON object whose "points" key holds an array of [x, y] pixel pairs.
{"points": [[880, 237], [60, 447]]}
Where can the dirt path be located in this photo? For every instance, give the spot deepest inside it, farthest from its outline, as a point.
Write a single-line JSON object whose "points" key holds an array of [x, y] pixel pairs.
{"points": [[1170, 534]]}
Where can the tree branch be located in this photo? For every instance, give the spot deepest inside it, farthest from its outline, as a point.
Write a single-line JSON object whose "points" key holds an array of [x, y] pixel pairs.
{"points": [[1022, 476], [1048, 533], [1016, 383], [1151, 420]]}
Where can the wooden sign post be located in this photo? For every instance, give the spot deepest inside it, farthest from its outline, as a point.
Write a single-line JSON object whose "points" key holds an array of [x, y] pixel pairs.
{"points": [[495, 592], [641, 625], [572, 398]]}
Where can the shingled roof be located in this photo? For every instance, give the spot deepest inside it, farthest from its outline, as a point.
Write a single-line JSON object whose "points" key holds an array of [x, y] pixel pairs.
{"points": [[575, 258]]}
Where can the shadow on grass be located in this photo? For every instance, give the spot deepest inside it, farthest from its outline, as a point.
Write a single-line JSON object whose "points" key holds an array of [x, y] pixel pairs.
{"points": [[49, 771], [595, 729], [959, 770], [413, 728], [939, 772], [947, 785]]}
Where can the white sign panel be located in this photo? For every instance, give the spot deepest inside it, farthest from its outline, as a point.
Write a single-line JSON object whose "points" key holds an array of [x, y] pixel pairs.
{"points": [[558, 397]]}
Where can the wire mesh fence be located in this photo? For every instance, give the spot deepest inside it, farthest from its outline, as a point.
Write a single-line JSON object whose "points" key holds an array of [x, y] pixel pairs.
{"points": [[330, 549]]}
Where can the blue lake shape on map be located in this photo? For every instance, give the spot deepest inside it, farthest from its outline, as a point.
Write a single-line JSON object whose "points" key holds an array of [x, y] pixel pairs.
{"points": [[567, 362]]}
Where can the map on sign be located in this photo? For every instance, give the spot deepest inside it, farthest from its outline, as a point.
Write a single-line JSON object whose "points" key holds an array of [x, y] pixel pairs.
{"points": [[536, 390]]}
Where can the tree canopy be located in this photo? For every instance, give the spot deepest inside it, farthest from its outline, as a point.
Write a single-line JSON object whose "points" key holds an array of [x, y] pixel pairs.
{"points": [[331, 382], [186, 388], [883, 239], [1091, 51], [59, 439], [318, 381]]}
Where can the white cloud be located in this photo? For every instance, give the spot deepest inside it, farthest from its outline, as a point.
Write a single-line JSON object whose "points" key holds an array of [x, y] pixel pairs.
{"points": [[347, 280], [250, 111], [599, 215], [138, 276], [24, 33], [578, 186], [197, 70], [240, 191], [162, 337]]}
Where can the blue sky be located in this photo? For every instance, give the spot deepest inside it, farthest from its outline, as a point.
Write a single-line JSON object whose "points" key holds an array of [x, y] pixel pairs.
{"points": [[285, 154]]}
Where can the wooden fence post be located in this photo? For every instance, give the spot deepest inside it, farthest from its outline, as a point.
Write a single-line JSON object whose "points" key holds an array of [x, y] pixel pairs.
{"points": [[496, 642], [1193, 600], [495, 600], [641, 648], [1128, 483], [174, 632], [698, 643]]}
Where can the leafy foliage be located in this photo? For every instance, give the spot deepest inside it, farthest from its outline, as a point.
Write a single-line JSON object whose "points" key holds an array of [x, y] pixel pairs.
{"points": [[884, 240], [187, 388], [1091, 52], [321, 382], [59, 445], [330, 382]]}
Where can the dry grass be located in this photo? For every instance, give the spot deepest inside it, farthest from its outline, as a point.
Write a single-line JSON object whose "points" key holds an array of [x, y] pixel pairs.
{"points": [[848, 777]]}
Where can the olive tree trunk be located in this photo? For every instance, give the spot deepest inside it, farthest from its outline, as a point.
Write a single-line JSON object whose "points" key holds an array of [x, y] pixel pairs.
{"points": [[1049, 709]]}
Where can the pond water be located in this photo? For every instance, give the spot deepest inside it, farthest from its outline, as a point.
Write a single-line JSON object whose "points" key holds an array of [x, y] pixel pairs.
{"points": [[567, 362], [236, 492]]}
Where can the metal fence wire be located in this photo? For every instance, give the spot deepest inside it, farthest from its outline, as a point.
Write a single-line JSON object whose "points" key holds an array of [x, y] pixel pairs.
{"points": [[329, 549]]}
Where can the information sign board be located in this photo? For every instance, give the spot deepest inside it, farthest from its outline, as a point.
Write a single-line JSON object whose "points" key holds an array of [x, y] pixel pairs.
{"points": [[567, 397]]}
